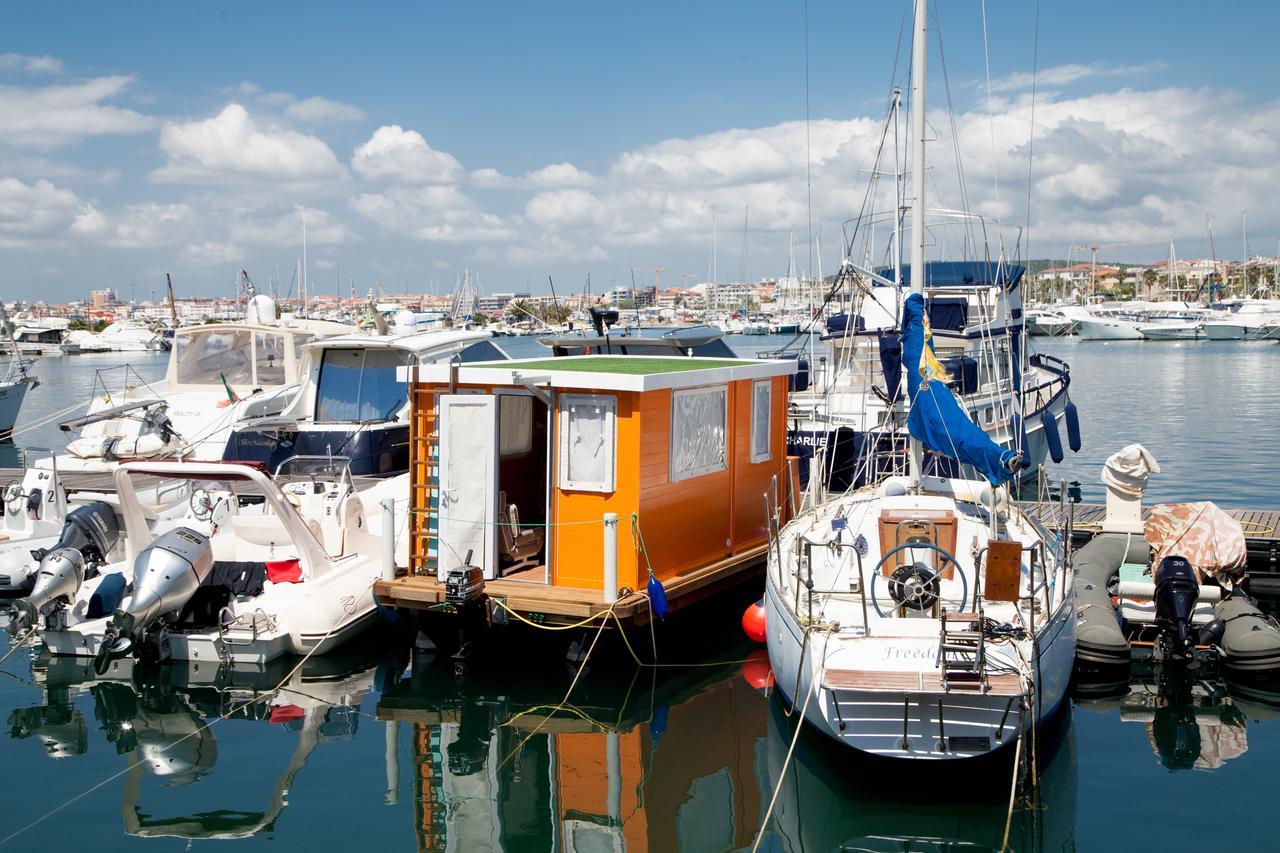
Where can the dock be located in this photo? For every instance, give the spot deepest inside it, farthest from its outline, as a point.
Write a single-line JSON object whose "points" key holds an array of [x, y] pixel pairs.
{"points": [[1261, 534], [547, 604]]}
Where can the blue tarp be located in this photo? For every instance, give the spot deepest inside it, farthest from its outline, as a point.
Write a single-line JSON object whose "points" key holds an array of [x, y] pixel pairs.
{"points": [[963, 274], [949, 312], [936, 418]]}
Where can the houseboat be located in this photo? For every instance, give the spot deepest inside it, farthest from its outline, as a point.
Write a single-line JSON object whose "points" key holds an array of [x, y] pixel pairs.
{"points": [[557, 490]]}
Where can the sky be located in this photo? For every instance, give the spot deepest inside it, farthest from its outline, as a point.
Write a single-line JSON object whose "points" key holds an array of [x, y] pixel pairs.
{"points": [[565, 139]]}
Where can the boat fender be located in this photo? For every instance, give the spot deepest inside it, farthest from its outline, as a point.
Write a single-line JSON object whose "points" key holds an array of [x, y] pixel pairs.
{"points": [[657, 597], [1051, 436], [756, 670], [753, 622], [1073, 427], [107, 597]]}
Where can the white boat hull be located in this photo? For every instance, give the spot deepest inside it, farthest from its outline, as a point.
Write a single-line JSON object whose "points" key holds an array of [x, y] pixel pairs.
{"points": [[1107, 329], [11, 397], [919, 723]]}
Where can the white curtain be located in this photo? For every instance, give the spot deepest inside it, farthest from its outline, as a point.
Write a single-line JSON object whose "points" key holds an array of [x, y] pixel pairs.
{"points": [[587, 442], [698, 438], [760, 411]]}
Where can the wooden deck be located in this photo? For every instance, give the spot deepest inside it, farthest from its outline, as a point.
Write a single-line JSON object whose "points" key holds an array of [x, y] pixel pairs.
{"points": [[886, 681], [558, 605]]}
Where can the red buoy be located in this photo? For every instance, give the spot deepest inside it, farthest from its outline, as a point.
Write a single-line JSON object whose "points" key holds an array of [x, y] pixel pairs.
{"points": [[757, 671], [753, 622]]}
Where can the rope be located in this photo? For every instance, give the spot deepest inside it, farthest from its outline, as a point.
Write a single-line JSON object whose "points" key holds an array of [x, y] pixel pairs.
{"points": [[786, 762], [203, 727], [1013, 785], [17, 643]]}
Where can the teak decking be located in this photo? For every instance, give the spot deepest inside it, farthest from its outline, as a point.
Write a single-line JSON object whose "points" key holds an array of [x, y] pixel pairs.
{"points": [[565, 605]]}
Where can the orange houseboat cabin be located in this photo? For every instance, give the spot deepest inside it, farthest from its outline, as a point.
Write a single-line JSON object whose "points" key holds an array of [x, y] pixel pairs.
{"points": [[517, 469]]}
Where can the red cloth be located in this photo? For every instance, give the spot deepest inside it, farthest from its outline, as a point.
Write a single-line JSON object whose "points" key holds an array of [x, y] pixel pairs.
{"points": [[285, 713], [284, 571]]}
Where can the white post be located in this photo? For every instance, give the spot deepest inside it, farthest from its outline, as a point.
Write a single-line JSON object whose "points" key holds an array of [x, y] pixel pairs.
{"points": [[393, 763], [613, 770], [388, 540], [610, 557]]}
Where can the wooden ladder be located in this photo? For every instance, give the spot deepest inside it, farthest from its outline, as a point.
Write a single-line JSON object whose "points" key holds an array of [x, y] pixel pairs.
{"points": [[962, 653]]}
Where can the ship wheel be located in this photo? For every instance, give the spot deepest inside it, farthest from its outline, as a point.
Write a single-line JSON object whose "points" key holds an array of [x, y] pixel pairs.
{"points": [[916, 586]]}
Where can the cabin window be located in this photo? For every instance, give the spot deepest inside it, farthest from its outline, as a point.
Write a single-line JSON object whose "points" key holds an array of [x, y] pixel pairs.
{"points": [[698, 431], [359, 385], [515, 424], [761, 410], [587, 439]]}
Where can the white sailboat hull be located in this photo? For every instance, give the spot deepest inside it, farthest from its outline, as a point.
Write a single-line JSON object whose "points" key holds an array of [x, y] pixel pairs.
{"points": [[11, 397], [922, 722]]}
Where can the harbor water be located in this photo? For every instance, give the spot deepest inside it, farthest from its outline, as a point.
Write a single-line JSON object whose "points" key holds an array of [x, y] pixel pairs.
{"points": [[374, 749]]}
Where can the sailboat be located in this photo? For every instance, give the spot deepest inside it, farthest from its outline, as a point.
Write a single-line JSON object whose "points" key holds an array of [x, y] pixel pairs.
{"points": [[16, 381], [922, 617]]}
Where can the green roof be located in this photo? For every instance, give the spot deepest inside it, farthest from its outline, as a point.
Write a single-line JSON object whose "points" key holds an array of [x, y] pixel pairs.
{"points": [[628, 365]]}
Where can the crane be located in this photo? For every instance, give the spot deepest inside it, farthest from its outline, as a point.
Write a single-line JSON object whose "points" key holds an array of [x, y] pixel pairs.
{"points": [[657, 274]]}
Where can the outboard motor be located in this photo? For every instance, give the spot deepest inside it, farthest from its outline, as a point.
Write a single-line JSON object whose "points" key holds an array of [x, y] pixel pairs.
{"points": [[1176, 593], [58, 580], [165, 576], [91, 529]]}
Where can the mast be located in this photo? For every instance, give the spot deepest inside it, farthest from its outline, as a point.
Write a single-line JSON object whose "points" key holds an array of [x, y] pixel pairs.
{"points": [[173, 308], [918, 44], [1244, 254], [304, 265]]}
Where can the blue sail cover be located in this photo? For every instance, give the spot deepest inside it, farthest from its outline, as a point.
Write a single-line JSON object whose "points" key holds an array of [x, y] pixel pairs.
{"points": [[936, 418]]}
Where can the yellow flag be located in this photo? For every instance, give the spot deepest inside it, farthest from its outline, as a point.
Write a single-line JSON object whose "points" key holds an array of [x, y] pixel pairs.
{"points": [[930, 367]]}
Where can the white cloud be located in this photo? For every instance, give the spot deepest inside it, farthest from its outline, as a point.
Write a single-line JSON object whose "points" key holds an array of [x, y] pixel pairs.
{"points": [[403, 156], [432, 213], [324, 264], [49, 116], [231, 147], [37, 213], [1063, 75], [209, 253], [555, 176], [263, 228], [137, 226], [30, 64], [319, 110]]}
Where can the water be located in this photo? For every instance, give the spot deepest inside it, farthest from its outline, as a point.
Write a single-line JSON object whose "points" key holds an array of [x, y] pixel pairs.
{"points": [[368, 750]]}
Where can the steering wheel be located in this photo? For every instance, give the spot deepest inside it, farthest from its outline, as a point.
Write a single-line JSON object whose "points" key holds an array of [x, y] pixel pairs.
{"points": [[12, 497], [201, 503], [915, 585]]}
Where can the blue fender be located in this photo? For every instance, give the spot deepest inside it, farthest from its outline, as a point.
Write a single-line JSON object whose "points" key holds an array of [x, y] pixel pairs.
{"points": [[1073, 427], [1051, 435]]}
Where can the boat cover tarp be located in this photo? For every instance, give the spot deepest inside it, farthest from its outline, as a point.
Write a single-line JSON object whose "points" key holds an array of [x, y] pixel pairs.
{"points": [[936, 418], [949, 312], [963, 274], [1207, 536], [891, 363]]}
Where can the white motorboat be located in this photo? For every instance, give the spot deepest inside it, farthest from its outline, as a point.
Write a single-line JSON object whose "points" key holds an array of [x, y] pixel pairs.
{"points": [[1172, 330], [351, 402], [218, 375], [1049, 323], [13, 391], [1101, 328], [245, 570], [40, 340], [922, 617], [1253, 320]]}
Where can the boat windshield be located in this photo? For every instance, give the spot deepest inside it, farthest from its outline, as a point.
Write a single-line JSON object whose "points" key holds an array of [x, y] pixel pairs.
{"points": [[251, 357], [360, 385]]}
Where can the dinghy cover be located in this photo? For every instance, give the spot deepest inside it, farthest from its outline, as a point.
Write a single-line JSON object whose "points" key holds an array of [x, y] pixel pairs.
{"points": [[1209, 538], [936, 418]]}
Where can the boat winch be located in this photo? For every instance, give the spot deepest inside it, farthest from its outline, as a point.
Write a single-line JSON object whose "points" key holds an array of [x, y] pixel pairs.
{"points": [[166, 574]]}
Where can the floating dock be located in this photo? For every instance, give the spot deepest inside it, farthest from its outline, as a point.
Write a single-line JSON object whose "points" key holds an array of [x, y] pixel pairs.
{"points": [[1261, 533]]}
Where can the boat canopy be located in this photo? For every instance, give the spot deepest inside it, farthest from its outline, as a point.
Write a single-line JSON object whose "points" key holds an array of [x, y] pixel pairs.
{"points": [[964, 274], [936, 418]]}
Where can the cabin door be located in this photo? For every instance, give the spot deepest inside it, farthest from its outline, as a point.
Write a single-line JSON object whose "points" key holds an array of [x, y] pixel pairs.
{"points": [[468, 482]]}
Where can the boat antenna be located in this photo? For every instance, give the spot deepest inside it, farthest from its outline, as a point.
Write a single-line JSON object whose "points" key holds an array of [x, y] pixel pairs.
{"points": [[918, 46]]}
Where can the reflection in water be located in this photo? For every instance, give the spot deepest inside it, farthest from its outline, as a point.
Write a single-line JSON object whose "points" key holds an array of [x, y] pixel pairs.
{"points": [[840, 800], [638, 761], [683, 760], [163, 721], [1193, 720]]}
